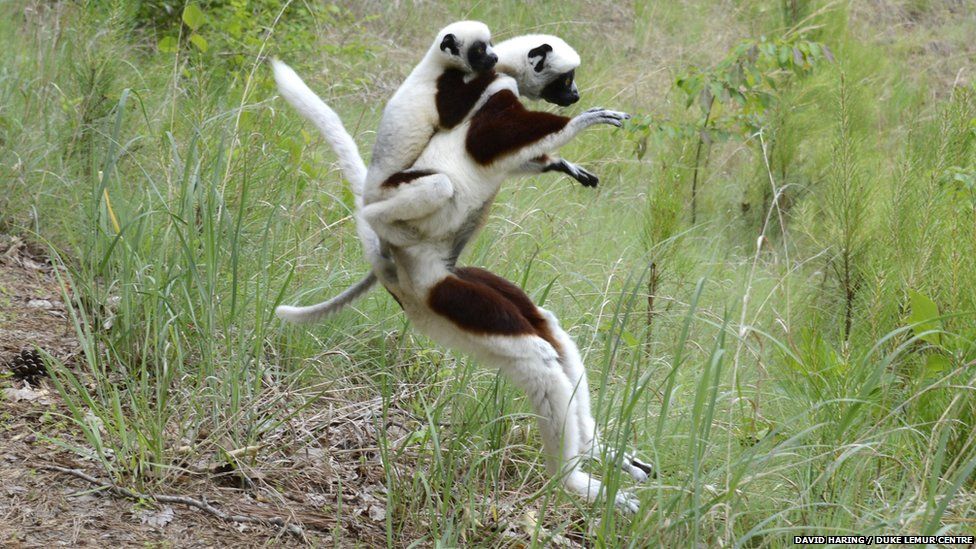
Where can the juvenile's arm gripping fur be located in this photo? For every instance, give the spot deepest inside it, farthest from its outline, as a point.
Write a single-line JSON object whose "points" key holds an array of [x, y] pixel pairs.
{"points": [[417, 199]]}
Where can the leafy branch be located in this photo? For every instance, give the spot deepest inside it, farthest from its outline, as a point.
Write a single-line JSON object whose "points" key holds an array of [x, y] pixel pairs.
{"points": [[734, 97]]}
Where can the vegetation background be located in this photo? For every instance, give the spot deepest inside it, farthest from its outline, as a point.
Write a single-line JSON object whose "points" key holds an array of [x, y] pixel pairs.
{"points": [[773, 286]]}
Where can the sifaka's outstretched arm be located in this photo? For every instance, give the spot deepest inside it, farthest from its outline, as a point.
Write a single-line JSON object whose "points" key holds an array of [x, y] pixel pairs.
{"points": [[506, 134]]}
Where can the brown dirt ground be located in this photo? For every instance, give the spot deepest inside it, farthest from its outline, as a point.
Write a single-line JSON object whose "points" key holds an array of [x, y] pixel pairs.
{"points": [[41, 508]]}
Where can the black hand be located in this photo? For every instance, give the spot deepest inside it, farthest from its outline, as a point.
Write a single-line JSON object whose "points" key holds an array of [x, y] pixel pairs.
{"points": [[586, 178]]}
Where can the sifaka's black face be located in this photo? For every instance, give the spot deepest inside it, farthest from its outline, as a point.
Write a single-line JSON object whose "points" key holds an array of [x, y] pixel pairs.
{"points": [[562, 90], [480, 57]]}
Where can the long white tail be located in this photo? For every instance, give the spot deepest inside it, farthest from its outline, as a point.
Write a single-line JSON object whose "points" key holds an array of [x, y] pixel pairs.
{"points": [[309, 105], [334, 305]]}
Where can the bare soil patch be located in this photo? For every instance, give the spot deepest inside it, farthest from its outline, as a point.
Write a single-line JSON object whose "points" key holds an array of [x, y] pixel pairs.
{"points": [[43, 508]]}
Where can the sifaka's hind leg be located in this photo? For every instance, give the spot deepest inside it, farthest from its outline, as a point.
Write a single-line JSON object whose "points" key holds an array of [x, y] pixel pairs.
{"points": [[590, 445], [408, 195], [551, 395], [496, 314]]}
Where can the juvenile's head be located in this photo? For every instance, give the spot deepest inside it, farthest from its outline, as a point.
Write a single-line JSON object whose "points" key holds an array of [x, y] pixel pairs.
{"points": [[543, 65], [465, 45]]}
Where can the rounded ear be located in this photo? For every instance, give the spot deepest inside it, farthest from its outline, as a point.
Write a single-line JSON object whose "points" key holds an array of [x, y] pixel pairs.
{"points": [[449, 43], [541, 52]]}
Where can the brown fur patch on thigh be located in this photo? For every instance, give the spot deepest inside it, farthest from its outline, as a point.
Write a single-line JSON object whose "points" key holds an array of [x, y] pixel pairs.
{"points": [[481, 302]]}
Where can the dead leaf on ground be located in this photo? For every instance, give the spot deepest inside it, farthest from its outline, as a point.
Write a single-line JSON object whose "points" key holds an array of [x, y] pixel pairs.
{"points": [[157, 518], [27, 394], [529, 521], [376, 513]]}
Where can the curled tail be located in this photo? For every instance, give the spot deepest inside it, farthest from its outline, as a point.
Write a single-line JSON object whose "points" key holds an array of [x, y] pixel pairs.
{"points": [[334, 305], [310, 106]]}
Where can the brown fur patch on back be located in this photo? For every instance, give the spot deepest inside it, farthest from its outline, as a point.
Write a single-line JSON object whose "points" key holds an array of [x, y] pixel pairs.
{"points": [[481, 302], [503, 125], [455, 98], [405, 176]]}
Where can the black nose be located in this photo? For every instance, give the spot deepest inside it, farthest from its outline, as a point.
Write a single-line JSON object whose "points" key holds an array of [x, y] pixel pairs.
{"points": [[484, 63], [568, 99]]}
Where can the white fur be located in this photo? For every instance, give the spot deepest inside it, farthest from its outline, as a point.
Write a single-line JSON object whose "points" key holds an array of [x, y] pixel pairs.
{"points": [[310, 106], [437, 206], [555, 384], [513, 61], [337, 303], [556, 388], [410, 118]]}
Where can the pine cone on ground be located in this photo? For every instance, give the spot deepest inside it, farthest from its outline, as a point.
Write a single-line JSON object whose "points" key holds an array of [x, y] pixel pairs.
{"points": [[28, 366]]}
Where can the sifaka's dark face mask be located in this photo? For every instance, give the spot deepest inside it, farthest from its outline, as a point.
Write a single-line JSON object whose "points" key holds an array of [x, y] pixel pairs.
{"points": [[562, 91]]}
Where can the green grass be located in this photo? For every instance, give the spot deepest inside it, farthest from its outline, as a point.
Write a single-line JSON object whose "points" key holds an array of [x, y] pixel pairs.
{"points": [[764, 416]]}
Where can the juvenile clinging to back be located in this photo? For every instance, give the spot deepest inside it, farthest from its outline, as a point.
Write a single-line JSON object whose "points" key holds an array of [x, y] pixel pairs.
{"points": [[420, 106], [544, 67]]}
